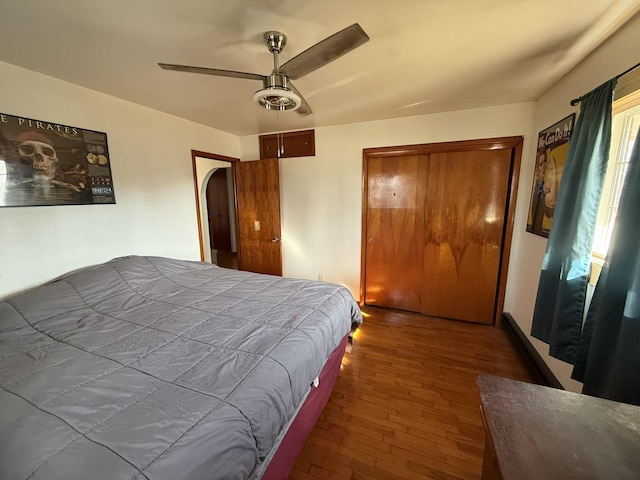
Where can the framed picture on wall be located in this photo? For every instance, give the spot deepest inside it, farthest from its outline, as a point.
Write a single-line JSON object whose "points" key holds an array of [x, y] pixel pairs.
{"points": [[44, 163], [551, 155]]}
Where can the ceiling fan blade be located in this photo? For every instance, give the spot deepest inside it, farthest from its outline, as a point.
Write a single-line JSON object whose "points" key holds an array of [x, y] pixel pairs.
{"points": [[325, 51], [304, 109], [211, 71]]}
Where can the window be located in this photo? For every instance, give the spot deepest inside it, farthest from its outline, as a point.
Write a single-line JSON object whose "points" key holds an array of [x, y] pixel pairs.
{"points": [[626, 119]]}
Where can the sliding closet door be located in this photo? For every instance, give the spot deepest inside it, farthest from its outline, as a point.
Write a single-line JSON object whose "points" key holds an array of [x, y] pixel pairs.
{"points": [[437, 225], [465, 219], [396, 188]]}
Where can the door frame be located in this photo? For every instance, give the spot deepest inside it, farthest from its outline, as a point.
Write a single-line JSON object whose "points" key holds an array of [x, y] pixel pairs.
{"points": [[515, 143], [222, 158]]}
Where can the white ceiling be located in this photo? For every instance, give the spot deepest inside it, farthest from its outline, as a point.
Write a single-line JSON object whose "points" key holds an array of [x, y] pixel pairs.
{"points": [[424, 56]]}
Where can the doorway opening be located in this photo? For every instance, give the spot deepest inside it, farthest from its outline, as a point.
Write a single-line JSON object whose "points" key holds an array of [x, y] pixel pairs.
{"points": [[214, 182], [254, 207], [221, 218]]}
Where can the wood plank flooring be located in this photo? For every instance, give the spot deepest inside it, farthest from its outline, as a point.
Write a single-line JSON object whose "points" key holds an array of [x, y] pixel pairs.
{"points": [[225, 259], [406, 405]]}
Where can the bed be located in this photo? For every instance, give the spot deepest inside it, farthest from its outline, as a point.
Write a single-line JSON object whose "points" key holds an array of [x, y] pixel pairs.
{"points": [[157, 368]]}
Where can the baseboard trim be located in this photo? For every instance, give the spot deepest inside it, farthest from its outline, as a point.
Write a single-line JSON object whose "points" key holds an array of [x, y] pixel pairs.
{"points": [[528, 353]]}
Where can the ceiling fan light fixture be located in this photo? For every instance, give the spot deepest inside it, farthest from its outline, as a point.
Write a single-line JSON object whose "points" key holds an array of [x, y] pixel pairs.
{"points": [[276, 94], [277, 98]]}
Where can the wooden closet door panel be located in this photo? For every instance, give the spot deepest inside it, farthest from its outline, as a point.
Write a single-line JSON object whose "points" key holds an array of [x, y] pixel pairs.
{"points": [[395, 231], [464, 224]]}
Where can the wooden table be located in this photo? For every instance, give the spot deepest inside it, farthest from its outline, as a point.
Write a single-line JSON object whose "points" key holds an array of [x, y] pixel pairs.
{"points": [[540, 433]]}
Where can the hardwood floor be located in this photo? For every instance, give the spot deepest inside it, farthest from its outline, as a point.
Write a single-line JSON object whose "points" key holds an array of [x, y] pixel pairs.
{"points": [[406, 405], [226, 259]]}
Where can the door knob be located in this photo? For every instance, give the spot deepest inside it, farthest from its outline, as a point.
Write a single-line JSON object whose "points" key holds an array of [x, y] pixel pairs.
{"points": [[276, 239], [370, 240], [495, 247]]}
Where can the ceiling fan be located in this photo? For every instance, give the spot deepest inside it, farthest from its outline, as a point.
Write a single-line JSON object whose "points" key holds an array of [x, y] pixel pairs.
{"points": [[278, 93]]}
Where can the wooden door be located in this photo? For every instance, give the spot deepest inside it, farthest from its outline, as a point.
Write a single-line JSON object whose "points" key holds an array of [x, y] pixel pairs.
{"points": [[258, 197], [437, 226], [396, 189], [465, 218], [218, 210]]}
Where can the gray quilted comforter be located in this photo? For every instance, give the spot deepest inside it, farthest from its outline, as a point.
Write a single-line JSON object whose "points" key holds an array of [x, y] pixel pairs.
{"points": [[148, 367]]}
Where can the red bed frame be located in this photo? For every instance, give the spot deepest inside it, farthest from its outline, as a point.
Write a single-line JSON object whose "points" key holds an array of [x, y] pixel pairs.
{"points": [[284, 459]]}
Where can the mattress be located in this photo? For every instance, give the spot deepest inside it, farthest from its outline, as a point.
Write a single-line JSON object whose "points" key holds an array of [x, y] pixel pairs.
{"points": [[150, 367]]}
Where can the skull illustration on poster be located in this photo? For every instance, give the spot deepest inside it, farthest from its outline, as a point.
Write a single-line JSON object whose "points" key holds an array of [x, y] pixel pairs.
{"points": [[37, 152], [37, 171]]}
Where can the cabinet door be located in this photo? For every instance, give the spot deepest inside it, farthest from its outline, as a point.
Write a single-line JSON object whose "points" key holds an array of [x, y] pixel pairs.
{"points": [[288, 144], [396, 188], [464, 225]]}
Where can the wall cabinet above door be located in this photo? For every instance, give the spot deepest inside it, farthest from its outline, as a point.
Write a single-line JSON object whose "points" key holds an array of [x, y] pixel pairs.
{"points": [[288, 144]]}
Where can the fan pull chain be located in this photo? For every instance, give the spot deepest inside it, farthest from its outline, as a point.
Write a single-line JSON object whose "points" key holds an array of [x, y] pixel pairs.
{"points": [[280, 135]]}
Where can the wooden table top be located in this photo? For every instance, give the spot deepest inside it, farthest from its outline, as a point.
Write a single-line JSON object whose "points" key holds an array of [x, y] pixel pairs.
{"points": [[544, 433]]}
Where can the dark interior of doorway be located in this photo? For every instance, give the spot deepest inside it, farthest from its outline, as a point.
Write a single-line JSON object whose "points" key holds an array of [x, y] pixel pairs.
{"points": [[222, 253]]}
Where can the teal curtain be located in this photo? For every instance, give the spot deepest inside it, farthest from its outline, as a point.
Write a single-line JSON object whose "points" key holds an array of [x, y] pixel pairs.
{"points": [[559, 307], [608, 360]]}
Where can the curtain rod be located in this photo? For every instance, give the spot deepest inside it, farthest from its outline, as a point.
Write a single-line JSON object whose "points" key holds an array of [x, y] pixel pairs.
{"points": [[576, 101]]}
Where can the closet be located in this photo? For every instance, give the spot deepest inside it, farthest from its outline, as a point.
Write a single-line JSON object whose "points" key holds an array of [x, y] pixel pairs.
{"points": [[437, 224]]}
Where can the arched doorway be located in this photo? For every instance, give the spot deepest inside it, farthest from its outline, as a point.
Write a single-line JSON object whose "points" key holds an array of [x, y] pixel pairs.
{"points": [[205, 165], [219, 197]]}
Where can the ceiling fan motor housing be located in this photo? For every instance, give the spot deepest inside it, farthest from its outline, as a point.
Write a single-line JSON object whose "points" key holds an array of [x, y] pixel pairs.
{"points": [[276, 80]]}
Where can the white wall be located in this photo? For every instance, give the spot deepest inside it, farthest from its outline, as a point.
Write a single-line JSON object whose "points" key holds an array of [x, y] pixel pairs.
{"points": [[322, 196], [613, 57], [152, 174]]}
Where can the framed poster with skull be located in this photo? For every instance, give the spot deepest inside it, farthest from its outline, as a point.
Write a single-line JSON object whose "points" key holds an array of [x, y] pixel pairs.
{"points": [[44, 163]]}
